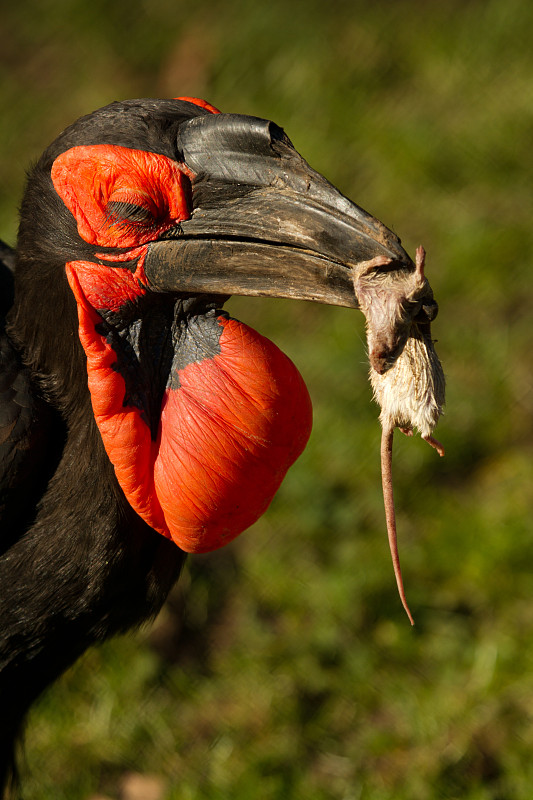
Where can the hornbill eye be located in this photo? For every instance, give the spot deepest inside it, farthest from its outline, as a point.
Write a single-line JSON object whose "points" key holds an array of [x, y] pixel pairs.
{"points": [[121, 197], [123, 212]]}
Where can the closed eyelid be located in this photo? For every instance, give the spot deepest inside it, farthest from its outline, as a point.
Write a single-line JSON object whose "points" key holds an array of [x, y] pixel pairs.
{"points": [[135, 212], [121, 197]]}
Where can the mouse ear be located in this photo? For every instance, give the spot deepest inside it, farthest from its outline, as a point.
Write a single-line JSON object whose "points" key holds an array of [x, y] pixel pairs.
{"points": [[368, 267], [420, 263]]}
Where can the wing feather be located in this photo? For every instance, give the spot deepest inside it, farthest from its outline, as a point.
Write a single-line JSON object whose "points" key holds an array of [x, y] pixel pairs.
{"points": [[24, 424]]}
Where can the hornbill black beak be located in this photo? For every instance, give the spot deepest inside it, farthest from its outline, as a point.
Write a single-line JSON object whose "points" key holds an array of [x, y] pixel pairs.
{"points": [[263, 222]]}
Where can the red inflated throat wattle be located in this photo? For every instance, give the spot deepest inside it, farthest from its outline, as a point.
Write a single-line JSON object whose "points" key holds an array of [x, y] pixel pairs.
{"points": [[234, 412]]}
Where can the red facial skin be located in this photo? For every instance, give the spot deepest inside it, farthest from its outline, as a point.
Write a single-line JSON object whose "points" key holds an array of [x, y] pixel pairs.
{"points": [[238, 420], [202, 103]]}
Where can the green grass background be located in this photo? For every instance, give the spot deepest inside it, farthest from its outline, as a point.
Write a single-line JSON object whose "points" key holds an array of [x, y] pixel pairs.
{"points": [[284, 666]]}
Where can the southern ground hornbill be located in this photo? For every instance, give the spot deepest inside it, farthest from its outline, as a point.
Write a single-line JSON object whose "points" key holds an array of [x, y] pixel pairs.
{"points": [[138, 421]]}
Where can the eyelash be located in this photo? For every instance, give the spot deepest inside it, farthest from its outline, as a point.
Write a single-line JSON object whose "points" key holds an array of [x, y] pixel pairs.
{"points": [[130, 215]]}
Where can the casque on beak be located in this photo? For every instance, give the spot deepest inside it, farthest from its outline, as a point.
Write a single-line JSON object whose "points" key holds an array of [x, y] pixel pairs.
{"points": [[264, 223]]}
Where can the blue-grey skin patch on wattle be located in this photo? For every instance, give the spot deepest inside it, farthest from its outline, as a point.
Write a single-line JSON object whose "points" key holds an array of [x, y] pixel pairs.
{"points": [[153, 344], [196, 339]]}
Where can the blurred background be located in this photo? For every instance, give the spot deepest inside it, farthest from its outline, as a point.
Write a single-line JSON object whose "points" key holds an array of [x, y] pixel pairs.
{"points": [[284, 665]]}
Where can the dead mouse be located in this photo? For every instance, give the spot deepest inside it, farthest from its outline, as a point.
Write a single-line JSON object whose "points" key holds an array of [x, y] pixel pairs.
{"points": [[405, 371]]}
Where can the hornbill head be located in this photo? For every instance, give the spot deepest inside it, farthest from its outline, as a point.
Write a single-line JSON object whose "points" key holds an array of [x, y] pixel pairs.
{"points": [[154, 212]]}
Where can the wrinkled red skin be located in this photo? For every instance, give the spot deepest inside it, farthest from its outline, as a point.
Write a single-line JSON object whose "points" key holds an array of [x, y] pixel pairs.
{"points": [[238, 420]]}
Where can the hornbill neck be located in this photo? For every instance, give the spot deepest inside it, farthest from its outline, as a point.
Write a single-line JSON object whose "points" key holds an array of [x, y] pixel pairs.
{"points": [[43, 321]]}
